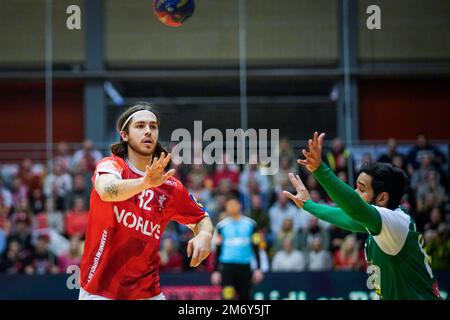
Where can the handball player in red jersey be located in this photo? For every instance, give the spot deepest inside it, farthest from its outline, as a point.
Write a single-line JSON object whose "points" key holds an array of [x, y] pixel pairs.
{"points": [[131, 203]]}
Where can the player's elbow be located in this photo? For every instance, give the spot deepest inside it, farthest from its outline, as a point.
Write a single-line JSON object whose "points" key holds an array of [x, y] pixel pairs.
{"points": [[103, 196]]}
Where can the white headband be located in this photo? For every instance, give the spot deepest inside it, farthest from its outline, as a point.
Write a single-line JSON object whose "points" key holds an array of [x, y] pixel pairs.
{"points": [[132, 115]]}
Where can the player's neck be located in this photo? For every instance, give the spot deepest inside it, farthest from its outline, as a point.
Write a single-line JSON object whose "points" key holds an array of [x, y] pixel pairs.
{"points": [[137, 160]]}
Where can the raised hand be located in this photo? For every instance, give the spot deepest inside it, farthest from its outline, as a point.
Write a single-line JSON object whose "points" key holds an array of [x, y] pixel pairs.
{"points": [[154, 174], [313, 157], [302, 193]]}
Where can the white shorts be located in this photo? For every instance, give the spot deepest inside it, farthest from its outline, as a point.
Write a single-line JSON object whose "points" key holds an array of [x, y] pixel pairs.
{"points": [[84, 295]]}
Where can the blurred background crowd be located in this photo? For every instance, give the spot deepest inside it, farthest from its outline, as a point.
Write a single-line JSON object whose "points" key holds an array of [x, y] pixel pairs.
{"points": [[43, 215]]}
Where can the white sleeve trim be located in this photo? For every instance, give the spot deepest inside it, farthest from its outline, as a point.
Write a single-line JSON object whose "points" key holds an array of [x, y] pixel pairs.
{"points": [[394, 230], [117, 174]]}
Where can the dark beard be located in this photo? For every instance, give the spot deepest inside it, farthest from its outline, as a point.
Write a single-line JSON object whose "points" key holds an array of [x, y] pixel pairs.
{"points": [[147, 154]]}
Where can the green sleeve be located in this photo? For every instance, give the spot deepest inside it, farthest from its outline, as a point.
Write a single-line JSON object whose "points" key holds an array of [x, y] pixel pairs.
{"points": [[348, 200], [334, 216]]}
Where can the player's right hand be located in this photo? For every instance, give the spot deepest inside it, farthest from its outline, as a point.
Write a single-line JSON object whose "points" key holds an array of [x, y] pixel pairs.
{"points": [[302, 193], [154, 174], [257, 276], [313, 157], [216, 278]]}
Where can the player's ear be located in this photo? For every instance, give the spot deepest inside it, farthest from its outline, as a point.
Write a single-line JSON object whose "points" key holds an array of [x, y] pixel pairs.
{"points": [[124, 136], [382, 199]]}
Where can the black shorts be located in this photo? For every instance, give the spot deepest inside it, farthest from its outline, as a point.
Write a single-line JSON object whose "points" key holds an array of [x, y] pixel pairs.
{"points": [[239, 278]]}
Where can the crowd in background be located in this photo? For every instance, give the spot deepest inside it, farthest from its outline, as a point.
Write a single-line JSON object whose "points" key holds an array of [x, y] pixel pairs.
{"points": [[43, 214]]}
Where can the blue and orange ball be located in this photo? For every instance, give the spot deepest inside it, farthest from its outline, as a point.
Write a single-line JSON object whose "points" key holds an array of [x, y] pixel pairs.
{"points": [[173, 13]]}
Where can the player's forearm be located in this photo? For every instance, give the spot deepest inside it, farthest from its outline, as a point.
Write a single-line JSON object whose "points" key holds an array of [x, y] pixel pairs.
{"points": [[115, 190], [257, 258], [334, 216], [347, 199], [204, 226]]}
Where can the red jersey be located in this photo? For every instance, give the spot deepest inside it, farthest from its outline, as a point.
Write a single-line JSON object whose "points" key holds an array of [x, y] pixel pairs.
{"points": [[120, 259]]}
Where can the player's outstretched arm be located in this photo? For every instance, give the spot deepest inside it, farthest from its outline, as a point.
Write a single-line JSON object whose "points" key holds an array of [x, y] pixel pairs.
{"points": [[341, 193], [199, 247], [112, 189], [327, 213]]}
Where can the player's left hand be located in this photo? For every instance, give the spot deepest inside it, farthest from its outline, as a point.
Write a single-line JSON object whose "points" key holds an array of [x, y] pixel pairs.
{"points": [[199, 248], [302, 193], [313, 156], [257, 276]]}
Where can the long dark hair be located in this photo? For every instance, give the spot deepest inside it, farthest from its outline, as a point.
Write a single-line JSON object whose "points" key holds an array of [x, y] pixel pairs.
{"points": [[120, 149]]}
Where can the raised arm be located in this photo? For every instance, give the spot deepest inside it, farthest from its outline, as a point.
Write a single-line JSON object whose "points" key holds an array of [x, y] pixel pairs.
{"points": [[345, 197], [334, 216], [113, 189], [327, 213]]}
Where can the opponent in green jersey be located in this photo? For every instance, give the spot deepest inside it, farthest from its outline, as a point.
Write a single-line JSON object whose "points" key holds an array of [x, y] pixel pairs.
{"points": [[397, 265]]}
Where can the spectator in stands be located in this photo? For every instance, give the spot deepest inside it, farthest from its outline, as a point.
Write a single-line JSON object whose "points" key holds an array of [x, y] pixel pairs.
{"points": [[79, 189], [88, 154], [283, 171], [313, 230], [430, 189], [59, 185], [32, 179], [19, 190], [422, 148], [366, 158], [283, 209], [342, 175], [6, 198], [286, 232], [287, 151], [439, 249], [217, 207], [337, 236], [197, 176], [435, 220], [259, 214], [21, 231], [226, 171], [50, 218], [37, 201], [252, 181], [39, 261], [399, 162], [62, 156], [72, 256], [349, 257], [314, 187], [338, 157], [391, 152], [318, 258], [419, 175], [316, 196], [200, 185], [12, 260], [288, 259], [171, 259], [76, 220]]}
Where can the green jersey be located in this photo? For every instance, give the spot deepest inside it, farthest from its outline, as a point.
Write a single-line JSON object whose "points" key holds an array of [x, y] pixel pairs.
{"points": [[397, 264]]}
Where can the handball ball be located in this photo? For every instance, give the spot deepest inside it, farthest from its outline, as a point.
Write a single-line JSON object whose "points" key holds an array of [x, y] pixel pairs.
{"points": [[173, 12]]}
